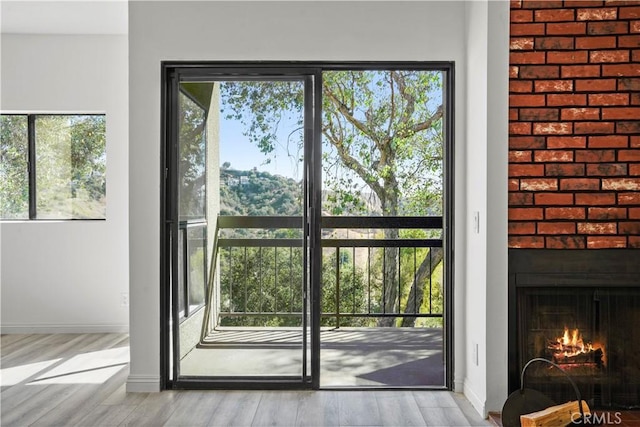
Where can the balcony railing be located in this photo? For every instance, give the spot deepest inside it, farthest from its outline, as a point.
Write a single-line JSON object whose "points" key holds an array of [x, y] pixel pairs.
{"points": [[372, 268]]}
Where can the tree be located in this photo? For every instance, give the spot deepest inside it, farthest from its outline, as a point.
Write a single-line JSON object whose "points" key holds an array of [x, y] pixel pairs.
{"points": [[385, 143]]}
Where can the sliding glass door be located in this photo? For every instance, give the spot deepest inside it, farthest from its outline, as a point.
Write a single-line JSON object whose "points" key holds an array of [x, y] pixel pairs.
{"points": [[307, 225]]}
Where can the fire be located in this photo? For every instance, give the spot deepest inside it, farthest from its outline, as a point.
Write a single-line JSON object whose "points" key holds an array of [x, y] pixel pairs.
{"points": [[571, 348]]}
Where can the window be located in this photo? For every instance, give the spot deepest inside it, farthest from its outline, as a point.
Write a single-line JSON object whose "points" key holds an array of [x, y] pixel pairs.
{"points": [[52, 166]]}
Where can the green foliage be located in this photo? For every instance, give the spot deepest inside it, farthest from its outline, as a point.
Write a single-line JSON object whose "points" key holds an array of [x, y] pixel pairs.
{"points": [[14, 178], [193, 156]]}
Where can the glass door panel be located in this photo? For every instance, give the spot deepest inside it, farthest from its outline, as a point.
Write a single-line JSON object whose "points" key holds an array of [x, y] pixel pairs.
{"points": [[382, 304], [241, 295]]}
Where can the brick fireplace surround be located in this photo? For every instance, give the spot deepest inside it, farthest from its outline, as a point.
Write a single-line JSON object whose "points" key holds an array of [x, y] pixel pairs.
{"points": [[574, 124]]}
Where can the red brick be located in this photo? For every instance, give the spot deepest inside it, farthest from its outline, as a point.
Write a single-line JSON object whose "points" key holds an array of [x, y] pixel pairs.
{"points": [[519, 156], [520, 199], [513, 72], [526, 100], [608, 141], [557, 43], [609, 56], [523, 214], [572, 184], [565, 242], [596, 42], [602, 242], [580, 114], [608, 99], [520, 86], [629, 41], [553, 156], [628, 127], [581, 128], [630, 227], [555, 15], [539, 184], [552, 128], [556, 228], [634, 27], [629, 198], [525, 142], [566, 28], [521, 15], [617, 27], [527, 58], [595, 199], [527, 29], [566, 142], [600, 85], [564, 213], [634, 170], [630, 12], [620, 70], [554, 85], [567, 57], [564, 169], [569, 71], [541, 4], [539, 71], [597, 227], [635, 142], [634, 213], [513, 114], [539, 114], [595, 156], [554, 100], [513, 184], [629, 84], [520, 128], [607, 213], [634, 242], [521, 43], [621, 184], [516, 228], [515, 4], [526, 170], [607, 169], [635, 56], [554, 199], [600, 14], [526, 242], [583, 3], [621, 2], [629, 155], [620, 113]]}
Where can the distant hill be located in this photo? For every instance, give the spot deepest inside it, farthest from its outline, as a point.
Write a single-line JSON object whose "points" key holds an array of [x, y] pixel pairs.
{"points": [[251, 193]]}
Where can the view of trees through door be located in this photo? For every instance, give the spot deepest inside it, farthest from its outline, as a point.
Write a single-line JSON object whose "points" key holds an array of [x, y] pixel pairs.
{"points": [[382, 221]]}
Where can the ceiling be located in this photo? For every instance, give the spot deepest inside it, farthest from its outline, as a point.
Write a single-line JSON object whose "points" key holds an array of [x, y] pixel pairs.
{"points": [[64, 17]]}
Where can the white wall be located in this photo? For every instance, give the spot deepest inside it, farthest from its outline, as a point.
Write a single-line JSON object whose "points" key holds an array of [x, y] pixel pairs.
{"points": [[335, 31], [485, 384], [68, 276]]}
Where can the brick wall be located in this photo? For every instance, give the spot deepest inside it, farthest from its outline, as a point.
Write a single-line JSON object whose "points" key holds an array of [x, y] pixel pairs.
{"points": [[574, 124]]}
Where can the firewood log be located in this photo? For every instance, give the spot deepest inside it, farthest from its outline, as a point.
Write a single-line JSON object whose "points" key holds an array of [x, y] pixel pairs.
{"points": [[555, 416]]}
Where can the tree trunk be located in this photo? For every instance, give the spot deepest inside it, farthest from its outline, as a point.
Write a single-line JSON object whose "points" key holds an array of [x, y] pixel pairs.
{"points": [[390, 279], [416, 294]]}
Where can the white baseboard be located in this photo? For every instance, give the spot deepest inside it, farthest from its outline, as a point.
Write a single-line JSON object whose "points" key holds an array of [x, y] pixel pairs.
{"points": [[143, 384], [63, 329], [473, 398]]}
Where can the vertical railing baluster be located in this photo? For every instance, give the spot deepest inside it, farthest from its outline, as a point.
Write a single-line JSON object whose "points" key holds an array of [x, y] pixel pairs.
{"points": [[260, 279], [291, 291], [246, 280], [384, 279], [275, 283], [353, 280], [338, 287], [415, 283], [399, 280], [368, 279], [230, 280], [430, 284]]}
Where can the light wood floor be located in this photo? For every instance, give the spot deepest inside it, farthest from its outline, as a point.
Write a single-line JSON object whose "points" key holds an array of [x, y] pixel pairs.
{"points": [[79, 380]]}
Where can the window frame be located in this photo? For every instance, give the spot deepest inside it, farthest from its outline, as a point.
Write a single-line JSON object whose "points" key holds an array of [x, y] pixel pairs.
{"points": [[32, 164]]}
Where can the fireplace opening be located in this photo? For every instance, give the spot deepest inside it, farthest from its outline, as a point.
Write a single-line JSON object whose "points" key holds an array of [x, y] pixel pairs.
{"points": [[587, 323]]}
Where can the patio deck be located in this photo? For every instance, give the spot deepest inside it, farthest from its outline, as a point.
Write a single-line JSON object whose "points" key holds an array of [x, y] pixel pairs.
{"points": [[369, 357]]}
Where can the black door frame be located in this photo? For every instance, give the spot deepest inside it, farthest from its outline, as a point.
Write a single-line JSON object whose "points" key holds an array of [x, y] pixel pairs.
{"points": [[311, 73]]}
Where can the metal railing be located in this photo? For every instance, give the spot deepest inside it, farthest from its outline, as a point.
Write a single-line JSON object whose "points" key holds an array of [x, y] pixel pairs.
{"points": [[368, 270]]}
